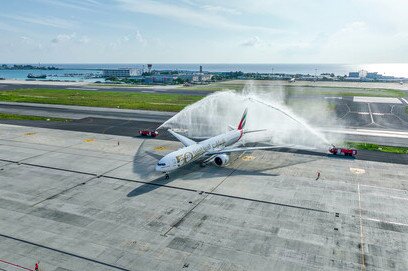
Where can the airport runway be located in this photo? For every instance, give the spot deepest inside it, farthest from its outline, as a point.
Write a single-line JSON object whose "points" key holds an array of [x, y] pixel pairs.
{"points": [[154, 89], [128, 122], [131, 128], [80, 112], [82, 201], [372, 112], [381, 121]]}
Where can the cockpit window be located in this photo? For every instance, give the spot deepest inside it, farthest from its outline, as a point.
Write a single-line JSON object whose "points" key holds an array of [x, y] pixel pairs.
{"points": [[161, 164]]}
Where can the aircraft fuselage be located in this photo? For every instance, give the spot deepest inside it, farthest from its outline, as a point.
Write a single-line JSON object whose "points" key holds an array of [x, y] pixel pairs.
{"points": [[193, 152]]}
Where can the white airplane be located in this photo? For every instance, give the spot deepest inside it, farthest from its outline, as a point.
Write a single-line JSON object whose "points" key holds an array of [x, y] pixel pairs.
{"points": [[214, 149]]}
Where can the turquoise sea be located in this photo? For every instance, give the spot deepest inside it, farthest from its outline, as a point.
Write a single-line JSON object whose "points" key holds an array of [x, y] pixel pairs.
{"points": [[83, 72]]}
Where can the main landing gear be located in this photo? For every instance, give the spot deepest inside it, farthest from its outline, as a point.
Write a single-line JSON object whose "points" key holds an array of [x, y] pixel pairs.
{"points": [[166, 176]]}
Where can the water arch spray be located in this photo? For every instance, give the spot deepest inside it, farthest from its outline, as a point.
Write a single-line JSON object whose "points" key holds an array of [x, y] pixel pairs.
{"points": [[266, 110]]}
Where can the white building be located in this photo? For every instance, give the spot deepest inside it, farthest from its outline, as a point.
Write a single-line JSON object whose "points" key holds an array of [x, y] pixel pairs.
{"points": [[362, 73], [202, 77], [123, 72]]}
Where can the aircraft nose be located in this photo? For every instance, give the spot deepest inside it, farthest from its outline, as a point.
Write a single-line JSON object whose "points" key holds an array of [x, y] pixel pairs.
{"points": [[159, 165]]}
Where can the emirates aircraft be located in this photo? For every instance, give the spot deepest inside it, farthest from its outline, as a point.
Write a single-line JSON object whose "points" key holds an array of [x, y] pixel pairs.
{"points": [[215, 149]]}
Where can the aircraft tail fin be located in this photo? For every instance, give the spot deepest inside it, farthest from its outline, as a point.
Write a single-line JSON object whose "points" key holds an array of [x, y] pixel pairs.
{"points": [[241, 124]]}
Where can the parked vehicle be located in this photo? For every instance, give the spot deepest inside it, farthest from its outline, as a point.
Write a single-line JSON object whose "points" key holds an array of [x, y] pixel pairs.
{"points": [[148, 133], [343, 151]]}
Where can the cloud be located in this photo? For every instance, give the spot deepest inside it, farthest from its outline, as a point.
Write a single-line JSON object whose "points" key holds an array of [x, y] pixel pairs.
{"points": [[26, 40], [140, 38], [41, 20], [129, 39], [354, 26], [189, 15], [359, 42], [84, 39], [85, 5], [251, 42], [63, 38], [9, 28], [220, 9]]}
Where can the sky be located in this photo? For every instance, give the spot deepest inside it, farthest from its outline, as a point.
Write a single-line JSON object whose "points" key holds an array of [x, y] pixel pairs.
{"points": [[206, 31]]}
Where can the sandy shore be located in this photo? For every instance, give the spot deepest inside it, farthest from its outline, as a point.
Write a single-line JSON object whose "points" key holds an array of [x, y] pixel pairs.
{"points": [[89, 84]]}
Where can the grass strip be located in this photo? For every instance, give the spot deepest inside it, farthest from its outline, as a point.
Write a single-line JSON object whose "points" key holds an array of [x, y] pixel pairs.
{"points": [[6, 116], [376, 147], [368, 93], [128, 100], [305, 90]]}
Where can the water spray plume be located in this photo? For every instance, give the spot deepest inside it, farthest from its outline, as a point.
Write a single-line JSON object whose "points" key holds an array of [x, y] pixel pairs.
{"points": [[295, 118], [266, 110]]}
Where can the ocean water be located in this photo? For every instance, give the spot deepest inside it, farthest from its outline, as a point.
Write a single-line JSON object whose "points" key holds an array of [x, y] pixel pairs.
{"points": [[391, 69], [62, 75]]}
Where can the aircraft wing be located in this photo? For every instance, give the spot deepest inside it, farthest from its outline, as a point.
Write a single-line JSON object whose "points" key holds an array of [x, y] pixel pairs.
{"points": [[226, 150], [184, 140]]}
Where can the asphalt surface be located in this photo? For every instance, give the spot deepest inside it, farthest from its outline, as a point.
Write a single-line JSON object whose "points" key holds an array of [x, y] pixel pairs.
{"points": [[80, 201], [129, 122], [131, 128], [155, 89], [79, 112], [114, 118], [372, 115]]}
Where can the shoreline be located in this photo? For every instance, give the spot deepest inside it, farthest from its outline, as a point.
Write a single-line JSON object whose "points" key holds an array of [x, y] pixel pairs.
{"points": [[330, 84], [35, 82]]}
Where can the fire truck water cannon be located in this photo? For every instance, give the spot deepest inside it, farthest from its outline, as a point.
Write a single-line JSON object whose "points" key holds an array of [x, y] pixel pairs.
{"points": [[342, 151]]}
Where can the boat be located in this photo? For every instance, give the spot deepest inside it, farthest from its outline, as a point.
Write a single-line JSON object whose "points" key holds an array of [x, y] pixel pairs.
{"points": [[32, 76]]}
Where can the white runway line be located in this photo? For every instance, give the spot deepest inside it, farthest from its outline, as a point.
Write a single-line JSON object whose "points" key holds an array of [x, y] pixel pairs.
{"points": [[362, 113], [381, 114], [340, 98], [386, 188], [380, 133], [385, 221], [371, 114], [404, 100], [83, 88], [385, 100]]}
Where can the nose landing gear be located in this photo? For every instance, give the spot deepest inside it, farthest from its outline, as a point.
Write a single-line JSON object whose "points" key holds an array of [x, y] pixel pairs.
{"points": [[166, 176]]}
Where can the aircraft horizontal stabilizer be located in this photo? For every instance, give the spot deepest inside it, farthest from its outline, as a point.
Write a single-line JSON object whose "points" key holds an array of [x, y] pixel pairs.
{"points": [[254, 131]]}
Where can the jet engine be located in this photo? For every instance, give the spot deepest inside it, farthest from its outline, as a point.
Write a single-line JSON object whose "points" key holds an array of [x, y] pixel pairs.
{"points": [[221, 160]]}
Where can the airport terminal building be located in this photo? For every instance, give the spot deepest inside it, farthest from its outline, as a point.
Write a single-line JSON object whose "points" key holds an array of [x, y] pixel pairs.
{"points": [[123, 72]]}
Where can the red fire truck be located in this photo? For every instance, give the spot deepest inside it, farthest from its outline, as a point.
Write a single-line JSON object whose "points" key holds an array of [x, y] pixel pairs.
{"points": [[148, 133], [342, 151]]}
